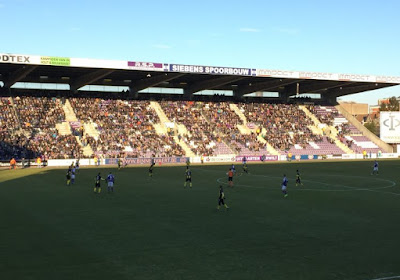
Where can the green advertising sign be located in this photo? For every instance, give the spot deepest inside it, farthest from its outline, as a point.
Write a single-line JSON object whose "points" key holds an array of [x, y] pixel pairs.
{"points": [[58, 61]]}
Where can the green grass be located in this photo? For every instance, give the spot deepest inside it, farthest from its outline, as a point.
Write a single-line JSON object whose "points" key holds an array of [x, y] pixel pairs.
{"points": [[342, 224]]}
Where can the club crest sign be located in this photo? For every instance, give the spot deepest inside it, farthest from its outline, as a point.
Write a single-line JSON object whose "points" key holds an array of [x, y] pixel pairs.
{"points": [[390, 127]]}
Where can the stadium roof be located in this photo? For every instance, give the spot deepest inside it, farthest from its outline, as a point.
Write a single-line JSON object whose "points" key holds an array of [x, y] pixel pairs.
{"points": [[78, 72]]}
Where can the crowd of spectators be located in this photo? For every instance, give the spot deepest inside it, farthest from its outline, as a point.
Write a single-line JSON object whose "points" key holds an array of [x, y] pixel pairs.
{"points": [[8, 118], [37, 118], [285, 124], [125, 128], [210, 124], [39, 113], [324, 114], [200, 137]]}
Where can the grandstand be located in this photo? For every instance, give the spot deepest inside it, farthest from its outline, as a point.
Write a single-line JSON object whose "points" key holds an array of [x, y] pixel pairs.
{"points": [[163, 110]]}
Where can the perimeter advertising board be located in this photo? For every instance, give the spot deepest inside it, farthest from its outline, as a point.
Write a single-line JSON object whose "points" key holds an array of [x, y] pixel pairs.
{"points": [[390, 127]]}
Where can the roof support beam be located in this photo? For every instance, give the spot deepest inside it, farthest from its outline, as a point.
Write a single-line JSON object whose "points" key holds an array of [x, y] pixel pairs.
{"points": [[264, 86], [89, 78], [18, 75], [153, 81], [210, 84]]}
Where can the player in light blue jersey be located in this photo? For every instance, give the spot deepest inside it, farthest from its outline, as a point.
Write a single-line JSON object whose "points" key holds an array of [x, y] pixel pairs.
{"points": [[284, 185], [375, 168], [110, 182]]}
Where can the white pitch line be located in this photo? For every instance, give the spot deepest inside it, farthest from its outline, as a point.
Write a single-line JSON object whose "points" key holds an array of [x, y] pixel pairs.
{"points": [[323, 183], [387, 278]]}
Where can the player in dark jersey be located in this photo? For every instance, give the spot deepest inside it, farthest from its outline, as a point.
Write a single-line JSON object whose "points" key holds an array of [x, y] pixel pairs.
{"points": [[97, 185], [221, 198], [245, 168], [68, 176], [77, 165], [151, 169], [298, 178], [188, 175]]}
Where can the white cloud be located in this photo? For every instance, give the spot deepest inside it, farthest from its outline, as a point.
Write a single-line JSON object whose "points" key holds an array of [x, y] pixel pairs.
{"points": [[161, 46], [246, 29]]}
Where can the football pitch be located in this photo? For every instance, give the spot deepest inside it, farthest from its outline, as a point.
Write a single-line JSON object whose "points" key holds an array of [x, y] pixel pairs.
{"points": [[343, 223]]}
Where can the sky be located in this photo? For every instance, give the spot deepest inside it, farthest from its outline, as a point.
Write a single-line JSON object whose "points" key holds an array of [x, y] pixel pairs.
{"points": [[341, 36]]}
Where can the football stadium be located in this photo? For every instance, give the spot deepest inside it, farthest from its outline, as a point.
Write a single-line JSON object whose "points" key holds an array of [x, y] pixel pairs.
{"points": [[98, 158]]}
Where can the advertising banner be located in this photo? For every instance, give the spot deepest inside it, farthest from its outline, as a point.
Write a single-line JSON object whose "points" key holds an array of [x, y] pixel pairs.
{"points": [[389, 155], [212, 70], [221, 158], [151, 66], [183, 68], [326, 76], [348, 156], [56, 61], [19, 58], [114, 161], [68, 162], [390, 127], [258, 158]]}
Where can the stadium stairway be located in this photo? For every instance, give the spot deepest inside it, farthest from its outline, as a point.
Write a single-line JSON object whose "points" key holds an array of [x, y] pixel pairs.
{"points": [[91, 130], [242, 127], [64, 128], [236, 109], [332, 132], [375, 139], [69, 112], [185, 147], [270, 149], [316, 129], [182, 130], [161, 128], [87, 150]]}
